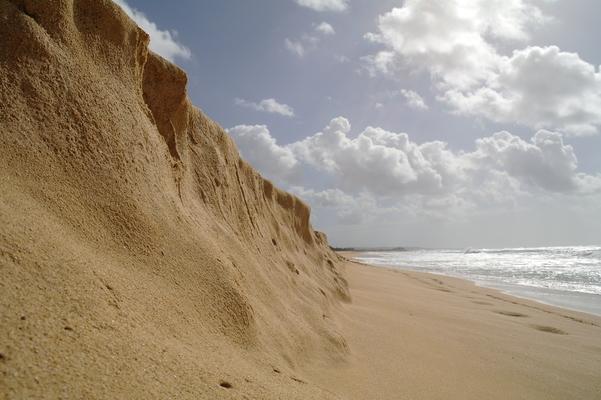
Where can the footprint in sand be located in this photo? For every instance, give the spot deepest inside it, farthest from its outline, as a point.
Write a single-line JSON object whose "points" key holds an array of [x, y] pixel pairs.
{"points": [[225, 384], [549, 329], [512, 314]]}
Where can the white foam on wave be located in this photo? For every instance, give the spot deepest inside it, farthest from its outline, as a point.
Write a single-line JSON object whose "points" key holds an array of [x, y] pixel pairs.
{"points": [[570, 269]]}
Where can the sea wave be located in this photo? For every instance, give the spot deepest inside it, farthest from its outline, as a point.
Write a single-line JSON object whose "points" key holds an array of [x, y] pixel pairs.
{"points": [[574, 269]]}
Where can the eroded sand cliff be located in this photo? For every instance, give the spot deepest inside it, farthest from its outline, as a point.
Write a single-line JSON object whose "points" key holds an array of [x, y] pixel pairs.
{"points": [[140, 257]]}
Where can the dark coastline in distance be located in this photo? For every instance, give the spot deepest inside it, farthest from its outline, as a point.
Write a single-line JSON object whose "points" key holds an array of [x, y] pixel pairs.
{"points": [[363, 249]]}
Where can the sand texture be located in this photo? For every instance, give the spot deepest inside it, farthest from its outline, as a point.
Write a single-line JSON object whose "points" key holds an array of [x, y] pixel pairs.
{"points": [[140, 257], [421, 336]]}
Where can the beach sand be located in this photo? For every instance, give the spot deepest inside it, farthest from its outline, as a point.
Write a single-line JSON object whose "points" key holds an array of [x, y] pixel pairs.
{"points": [[414, 335]]}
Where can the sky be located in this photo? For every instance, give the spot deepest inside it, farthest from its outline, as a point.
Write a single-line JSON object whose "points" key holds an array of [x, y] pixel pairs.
{"points": [[463, 123]]}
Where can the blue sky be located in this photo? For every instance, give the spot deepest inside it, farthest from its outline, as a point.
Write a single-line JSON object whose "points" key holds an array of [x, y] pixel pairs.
{"points": [[443, 124]]}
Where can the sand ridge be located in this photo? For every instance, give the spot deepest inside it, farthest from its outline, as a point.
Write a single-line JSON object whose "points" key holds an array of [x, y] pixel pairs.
{"points": [[139, 255]]}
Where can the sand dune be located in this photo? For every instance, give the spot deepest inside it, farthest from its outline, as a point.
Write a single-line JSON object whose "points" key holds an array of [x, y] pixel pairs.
{"points": [[139, 255]]}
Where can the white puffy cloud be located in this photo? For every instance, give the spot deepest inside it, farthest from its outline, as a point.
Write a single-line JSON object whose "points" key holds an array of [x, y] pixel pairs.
{"points": [[380, 178], [457, 43], [446, 37], [377, 161], [325, 28], [541, 87], [389, 165], [324, 5], [260, 149], [267, 105], [163, 42], [414, 100], [545, 161]]}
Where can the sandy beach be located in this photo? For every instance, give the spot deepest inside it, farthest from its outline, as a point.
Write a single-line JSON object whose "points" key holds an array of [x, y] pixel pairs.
{"points": [[414, 335]]}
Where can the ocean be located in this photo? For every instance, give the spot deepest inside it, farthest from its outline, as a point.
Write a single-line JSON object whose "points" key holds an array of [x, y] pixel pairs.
{"points": [[568, 277]]}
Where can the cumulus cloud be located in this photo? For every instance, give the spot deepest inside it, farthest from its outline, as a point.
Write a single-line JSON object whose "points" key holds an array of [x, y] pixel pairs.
{"points": [[324, 5], [389, 165], [267, 105], [456, 42], [163, 42], [377, 161], [414, 100], [445, 37], [325, 28], [260, 149], [541, 87]]}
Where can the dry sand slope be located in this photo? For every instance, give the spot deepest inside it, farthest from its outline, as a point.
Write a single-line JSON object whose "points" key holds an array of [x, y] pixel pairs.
{"points": [[140, 257]]}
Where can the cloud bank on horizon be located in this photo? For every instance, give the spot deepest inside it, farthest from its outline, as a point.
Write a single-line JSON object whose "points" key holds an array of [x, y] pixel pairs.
{"points": [[384, 166]]}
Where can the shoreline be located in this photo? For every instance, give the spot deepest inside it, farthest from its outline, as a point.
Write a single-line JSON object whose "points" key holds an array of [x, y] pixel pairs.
{"points": [[350, 256], [568, 300], [514, 290], [425, 336]]}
